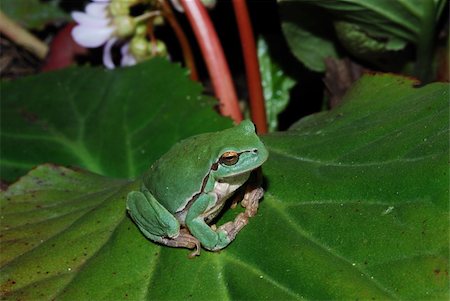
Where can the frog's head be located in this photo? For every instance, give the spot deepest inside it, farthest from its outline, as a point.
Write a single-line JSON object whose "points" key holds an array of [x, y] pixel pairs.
{"points": [[241, 151]]}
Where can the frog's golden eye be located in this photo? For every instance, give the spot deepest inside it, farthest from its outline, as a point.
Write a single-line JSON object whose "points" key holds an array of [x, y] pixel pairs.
{"points": [[229, 158]]}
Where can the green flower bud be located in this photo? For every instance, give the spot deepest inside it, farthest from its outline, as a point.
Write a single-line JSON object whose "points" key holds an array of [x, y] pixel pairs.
{"points": [[159, 49], [139, 48], [119, 8], [210, 4], [125, 26], [141, 30], [159, 20]]}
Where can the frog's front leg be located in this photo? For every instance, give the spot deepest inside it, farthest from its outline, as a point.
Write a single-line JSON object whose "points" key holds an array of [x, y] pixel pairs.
{"points": [[251, 200], [211, 239], [157, 223]]}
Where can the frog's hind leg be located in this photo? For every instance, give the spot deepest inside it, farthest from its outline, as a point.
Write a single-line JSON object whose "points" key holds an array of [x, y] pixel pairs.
{"points": [[157, 223], [184, 240]]}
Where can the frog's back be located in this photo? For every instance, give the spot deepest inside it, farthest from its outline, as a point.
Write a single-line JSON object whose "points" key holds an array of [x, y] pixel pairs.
{"points": [[180, 172]]}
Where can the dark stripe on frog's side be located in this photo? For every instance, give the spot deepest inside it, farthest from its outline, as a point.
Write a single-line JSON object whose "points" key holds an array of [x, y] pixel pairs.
{"points": [[214, 167]]}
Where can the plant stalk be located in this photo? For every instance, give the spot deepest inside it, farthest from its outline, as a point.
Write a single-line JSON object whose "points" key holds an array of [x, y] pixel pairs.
{"points": [[22, 37], [256, 95], [214, 57], [182, 39]]}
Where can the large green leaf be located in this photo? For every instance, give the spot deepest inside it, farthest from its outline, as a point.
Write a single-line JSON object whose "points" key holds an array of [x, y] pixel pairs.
{"points": [[365, 188], [54, 221], [110, 122], [356, 208]]}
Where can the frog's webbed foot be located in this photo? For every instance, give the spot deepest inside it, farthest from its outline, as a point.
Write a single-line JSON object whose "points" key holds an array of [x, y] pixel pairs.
{"points": [[211, 237], [184, 240], [233, 228], [251, 201]]}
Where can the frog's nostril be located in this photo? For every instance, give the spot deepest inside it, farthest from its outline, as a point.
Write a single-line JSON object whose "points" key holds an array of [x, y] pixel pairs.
{"points": [[255, 151]]}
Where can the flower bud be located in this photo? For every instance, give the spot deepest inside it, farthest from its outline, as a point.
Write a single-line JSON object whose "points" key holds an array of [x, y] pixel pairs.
{"points": [[125, 26], [209, 4], [159, 49], [158, 21], [141, 30], [119, 8], [139, 48]]}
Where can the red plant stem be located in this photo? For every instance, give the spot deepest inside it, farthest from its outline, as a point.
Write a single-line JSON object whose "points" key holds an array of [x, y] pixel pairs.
{"points": [[182, 39], [256, 96], [214, 57], [63, 50]]}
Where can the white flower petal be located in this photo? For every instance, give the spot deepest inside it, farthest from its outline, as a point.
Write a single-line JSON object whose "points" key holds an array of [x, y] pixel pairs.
{"points": [[124, 50], [89, 37], [127, 58], [177, 5], [98, 10], [85, 19], [107, 57]]}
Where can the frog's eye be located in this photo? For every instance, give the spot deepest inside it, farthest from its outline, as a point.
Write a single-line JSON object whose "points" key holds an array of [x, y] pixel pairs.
{"points": [[229, 158]]}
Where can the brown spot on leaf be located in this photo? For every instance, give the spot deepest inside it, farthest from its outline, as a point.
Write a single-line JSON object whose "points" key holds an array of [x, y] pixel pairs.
{"points": [[5, 288], [28, 116], [3, 186]]}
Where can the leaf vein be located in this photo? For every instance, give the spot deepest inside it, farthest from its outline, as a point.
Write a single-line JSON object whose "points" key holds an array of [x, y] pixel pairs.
{"points": [[331, 251]]}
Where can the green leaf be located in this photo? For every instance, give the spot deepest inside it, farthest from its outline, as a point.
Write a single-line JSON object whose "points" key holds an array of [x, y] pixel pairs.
{"points": [[367, 28], [55, 222], [356, 208], [401, 19], [110, 122], [310, 41], [276, 85], [363, 193], [34, 14]]}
